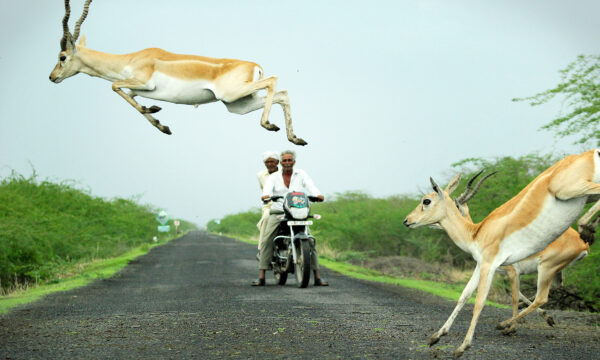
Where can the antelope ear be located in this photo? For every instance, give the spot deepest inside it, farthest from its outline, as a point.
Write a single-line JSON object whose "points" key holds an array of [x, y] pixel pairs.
{"points": [[436, 188], [453, 184], [82, 41]]}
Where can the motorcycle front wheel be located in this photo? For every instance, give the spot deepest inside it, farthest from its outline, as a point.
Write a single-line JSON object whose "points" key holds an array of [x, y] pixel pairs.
{"points": [[280, 276], [302, 267]]}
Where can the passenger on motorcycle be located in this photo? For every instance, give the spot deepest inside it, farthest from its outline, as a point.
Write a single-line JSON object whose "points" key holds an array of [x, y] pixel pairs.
{"points": [[280, 183], [271, 160]]}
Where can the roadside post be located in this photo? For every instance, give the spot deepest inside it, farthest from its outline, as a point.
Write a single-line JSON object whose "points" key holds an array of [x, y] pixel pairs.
{"points": [[176, 223], [163, 218]]}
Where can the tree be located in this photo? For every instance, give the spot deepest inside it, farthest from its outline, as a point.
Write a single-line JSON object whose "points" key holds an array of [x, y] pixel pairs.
{"points": [[580, 87]]}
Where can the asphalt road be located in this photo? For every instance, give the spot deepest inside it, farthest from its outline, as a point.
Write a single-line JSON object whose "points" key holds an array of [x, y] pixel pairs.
{"points": [[192, 299]]}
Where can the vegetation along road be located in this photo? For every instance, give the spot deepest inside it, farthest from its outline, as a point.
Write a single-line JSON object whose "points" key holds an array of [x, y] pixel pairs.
{"points": [[192, 298]]}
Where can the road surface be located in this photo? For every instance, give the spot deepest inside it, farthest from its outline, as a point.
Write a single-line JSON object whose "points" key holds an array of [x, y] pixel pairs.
{"points": [[192, 299]]}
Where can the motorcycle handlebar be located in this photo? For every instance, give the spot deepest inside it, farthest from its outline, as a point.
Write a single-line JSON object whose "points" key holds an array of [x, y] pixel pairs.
{"points": [[277, 197]]}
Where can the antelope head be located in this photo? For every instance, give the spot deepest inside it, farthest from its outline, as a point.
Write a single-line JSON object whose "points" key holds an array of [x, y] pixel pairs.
{"points": [[68, 63], [434, 206]]}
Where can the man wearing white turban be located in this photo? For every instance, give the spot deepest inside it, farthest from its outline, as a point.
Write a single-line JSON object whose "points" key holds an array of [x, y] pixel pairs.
{"points": [[271, 160]]}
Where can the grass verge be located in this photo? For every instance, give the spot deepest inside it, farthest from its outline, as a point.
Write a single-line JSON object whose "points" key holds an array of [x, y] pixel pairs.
{"points": [[82, 275]]}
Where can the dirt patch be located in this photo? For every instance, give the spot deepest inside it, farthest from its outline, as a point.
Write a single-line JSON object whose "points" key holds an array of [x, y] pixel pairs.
{"points": [[404, 266], [559, 298]]}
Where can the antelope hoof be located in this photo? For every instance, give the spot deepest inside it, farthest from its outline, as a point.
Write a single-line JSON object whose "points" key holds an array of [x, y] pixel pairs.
{"points": [[510, 330], [270, 127], [461, 350], [434, 339], [501, 326], [550, 321], [166, 130], [151, 110], [298, 141]]}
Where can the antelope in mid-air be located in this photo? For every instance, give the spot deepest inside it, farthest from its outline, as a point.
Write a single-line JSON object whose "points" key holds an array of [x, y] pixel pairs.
{"points": [[180, 79], [521, 227], [570, 247]]}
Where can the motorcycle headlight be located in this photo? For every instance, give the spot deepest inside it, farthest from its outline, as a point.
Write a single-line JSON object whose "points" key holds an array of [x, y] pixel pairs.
{"points": [[299, 213]]}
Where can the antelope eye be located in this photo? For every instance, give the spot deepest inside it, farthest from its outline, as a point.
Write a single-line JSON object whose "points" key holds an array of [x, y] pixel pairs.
{"points": [[426, 202], [63, 58]]}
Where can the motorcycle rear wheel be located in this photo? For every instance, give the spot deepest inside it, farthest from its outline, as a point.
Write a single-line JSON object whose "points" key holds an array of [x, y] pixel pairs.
{"points": [[302, 266]]}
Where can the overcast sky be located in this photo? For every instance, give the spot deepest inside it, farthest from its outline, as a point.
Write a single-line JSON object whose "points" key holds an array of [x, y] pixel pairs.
{"points": [[386, 93]]}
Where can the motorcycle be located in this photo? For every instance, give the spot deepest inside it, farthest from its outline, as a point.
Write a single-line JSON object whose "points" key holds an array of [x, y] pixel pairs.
{"points": [[293, 244]]}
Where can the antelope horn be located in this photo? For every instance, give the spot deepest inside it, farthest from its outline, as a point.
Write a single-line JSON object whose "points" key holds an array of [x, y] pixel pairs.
{"points": [[86, 7], [474, 191], [464, 194], [65, 23]]}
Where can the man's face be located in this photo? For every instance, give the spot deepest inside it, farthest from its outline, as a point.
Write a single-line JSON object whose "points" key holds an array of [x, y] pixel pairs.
{"points": [[287, 162], [271, 165]]}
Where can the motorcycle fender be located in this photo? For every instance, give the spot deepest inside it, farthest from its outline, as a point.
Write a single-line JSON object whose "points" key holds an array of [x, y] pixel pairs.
{"points": [[301, 237]]}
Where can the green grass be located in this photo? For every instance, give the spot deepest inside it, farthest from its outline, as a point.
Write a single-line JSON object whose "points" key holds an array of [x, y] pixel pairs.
{"points": [[447, 291], [99, 269]]}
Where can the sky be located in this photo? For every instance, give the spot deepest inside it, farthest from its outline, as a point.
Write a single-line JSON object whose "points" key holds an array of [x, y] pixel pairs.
{"points": [[386, 93]]}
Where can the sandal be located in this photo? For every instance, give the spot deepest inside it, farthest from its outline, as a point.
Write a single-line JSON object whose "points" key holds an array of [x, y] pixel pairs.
{"points": [[319, 282], [258, 282]]}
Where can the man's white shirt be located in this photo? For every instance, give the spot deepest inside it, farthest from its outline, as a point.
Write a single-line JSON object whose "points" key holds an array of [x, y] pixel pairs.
{"points": [[300, 181], [262, 176]]}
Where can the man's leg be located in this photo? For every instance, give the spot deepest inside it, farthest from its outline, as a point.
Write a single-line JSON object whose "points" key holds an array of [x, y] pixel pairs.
{"points": [[314, 259], [263, 224], [314, 264], [266, 248]]}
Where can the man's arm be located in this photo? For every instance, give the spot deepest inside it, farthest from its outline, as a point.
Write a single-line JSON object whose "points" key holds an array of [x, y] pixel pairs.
{"points": [[267, 189], [261, 176], [310, 186]]}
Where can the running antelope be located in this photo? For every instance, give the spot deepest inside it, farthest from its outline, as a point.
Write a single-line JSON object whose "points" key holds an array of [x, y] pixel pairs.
{"points": [[180, 79], [570, 247], [521, 227]]}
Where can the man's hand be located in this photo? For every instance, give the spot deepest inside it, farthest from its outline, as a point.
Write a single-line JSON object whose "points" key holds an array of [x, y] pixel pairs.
{"points": [[321, 198]]}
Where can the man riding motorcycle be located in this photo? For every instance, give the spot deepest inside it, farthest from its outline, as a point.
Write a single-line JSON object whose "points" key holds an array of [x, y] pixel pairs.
{"points": [[280, 183]]}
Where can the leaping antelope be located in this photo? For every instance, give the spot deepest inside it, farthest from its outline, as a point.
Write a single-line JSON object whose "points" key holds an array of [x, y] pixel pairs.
{"points": [[180, 79], [570, 247], [519, 228]]}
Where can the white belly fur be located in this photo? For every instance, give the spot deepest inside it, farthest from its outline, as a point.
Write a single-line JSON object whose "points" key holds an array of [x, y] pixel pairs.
{"points": [[179, 91], [554, 219], [528, 266]]}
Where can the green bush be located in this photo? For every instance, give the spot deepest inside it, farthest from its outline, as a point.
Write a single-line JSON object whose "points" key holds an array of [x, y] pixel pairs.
{"points": [[354, 221], [46, 225], [583, 276], [241, 224]]}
